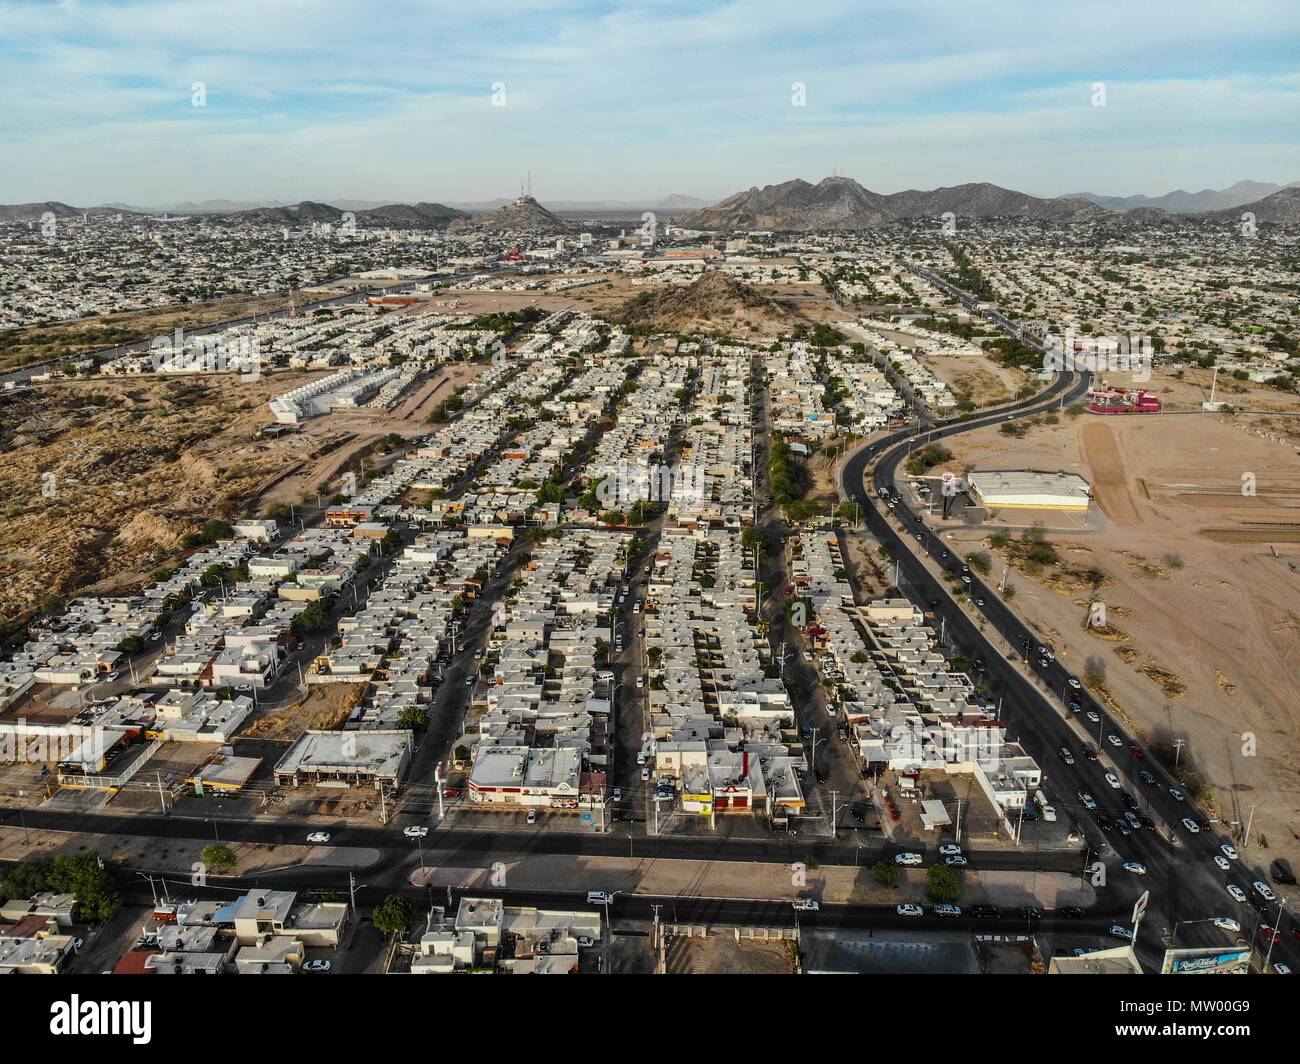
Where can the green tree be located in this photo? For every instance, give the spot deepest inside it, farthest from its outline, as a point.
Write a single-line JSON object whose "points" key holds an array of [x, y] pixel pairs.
{"points": [[884, 873], [217, 857], [90, 881], [392, 916], [942, 883], [412, 718]]}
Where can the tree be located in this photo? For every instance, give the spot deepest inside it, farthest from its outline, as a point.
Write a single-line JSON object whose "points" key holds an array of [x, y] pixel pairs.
{"points": [[884, 873], [392, 916], [412, 718], [26, 878], [942, 883], [217, 857], [87, 878]]}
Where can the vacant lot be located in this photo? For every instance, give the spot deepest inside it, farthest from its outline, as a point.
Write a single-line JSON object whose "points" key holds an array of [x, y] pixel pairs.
{"points": [[1200, 573]]}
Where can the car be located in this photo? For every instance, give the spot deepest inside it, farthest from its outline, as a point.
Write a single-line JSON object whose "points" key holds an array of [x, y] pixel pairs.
{"points": [[1227, 923], [1269, 933], [985, 911], [1094, 716], [1228, 851], [318, 836], [1129, 801], [1090, 752], [1281, 969], [1074, 683], [1083, 951], [618, 793], [469, 680], [1235, 892], [1133, 819], [636, 607], [957, 861], [979, 602], [1146, 777], [1066, 756], [641, 757], [909, 859], [451, 792], [316, 966], [806, 905], [645, 773], [1089, 803], [1114, 740], [1049, 813], [908, 909], [585, 942], [949, 849], [1191, 825], [155, 636], [1134, 868], [478, 654], [947, 910], [1123, 827], [1136, 751], [1103, 821], [415, 831], [78, 943], [1222, 862], [1116, 931], [1264, 890], [1072, 912], [532, 816], [1031, 912], [1113, 780], [1177, 795], [599, 897], [640, 682], [113, 676]]}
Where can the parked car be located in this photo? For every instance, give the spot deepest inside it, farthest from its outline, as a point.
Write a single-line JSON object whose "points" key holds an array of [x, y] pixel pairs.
{"points": [[949, 849], [909, 859], [532, 816], [415, 831], [947, 910], [806, 905], [1264, 890], [956, 862], [1116, 931], [1134, 868], [1222, 862], [1228, 851], [316, 966], [318, 836], [1235, 892], [1191, 825], [599, 897], [908, 909], [985, 911], [1072, 912], [450, 792], [1227, 923], [585, 942]]}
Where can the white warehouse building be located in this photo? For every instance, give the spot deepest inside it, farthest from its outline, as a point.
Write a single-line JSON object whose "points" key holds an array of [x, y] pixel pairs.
{"points": [[1026, 489]]}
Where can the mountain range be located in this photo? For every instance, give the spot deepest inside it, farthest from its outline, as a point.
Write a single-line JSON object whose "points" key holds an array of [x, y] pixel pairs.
{"points": [[798, 206], [1182, 202]]}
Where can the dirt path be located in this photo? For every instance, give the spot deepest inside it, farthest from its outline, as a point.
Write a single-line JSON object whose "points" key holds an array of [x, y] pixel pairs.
{"points": [[1109, 480]]}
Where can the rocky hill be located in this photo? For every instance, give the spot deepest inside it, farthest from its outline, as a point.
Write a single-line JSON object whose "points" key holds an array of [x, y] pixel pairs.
{"points": [[842, 203], [715, 303], [1282, 208], [522, 215]]}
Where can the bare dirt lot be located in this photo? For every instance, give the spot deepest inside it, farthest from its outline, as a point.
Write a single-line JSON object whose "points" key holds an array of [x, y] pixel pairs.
{"points": [[1200, 574]]}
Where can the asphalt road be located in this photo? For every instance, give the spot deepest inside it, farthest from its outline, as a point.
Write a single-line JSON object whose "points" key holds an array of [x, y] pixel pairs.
{"points": [[1185, 884]]}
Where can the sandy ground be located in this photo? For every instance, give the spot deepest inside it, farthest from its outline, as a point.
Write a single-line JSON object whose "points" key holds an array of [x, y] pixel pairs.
{"points": [[1202, 584]]}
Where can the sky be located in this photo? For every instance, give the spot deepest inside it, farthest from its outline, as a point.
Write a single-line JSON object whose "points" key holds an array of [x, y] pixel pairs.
{"points": [[151, 102]]}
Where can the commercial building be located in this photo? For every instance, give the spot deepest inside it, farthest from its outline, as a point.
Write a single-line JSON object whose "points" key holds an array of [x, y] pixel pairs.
{"points": [[1029, 490]]}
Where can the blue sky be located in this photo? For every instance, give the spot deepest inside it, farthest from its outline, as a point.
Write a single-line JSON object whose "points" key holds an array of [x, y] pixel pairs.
{"points": [[394, 100]]}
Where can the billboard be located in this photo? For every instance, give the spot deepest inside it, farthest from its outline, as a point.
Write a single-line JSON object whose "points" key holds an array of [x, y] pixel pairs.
{"points": [[1214, 960]]}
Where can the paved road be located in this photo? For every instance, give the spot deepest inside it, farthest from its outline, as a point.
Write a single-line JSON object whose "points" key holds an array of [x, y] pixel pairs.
{"points": [[1185, 883]]}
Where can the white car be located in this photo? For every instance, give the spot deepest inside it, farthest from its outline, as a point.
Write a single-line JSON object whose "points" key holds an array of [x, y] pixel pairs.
{"points": [[1264, 890], [316, 966], [1281, 969], [532, 816], [907, 859], [319, 836], [957, 861], [1227, 923], [1135, 868], [618, 793], [947, 910], [1236, 893], [806, 905], [1222, 862], [1191, 825], [1176, 794], [640, 682], [908, 909], [1074, 683], [1113, 780], [586, 941], [645, 772], [949, 849], [1229, 852], [415, 831], [1114, 740], [1093, 716]]}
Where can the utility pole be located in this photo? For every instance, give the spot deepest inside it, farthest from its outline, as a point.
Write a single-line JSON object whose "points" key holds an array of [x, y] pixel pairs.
{"points": [[352, 891], [162, 801], [1178, 749], [834, 810], [1245, 839]]}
